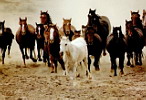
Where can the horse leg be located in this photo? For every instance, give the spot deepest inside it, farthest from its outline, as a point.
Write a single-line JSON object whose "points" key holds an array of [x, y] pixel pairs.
{"points": [[136, 58], [55, 63], [114, 65], [3, 54], [39, 55], [140, 57], [23, 55], [62, 63], [89, 63], [96, 62], [31, 55], [128, 57], [121, 64], [9, 48], [26, 55]]}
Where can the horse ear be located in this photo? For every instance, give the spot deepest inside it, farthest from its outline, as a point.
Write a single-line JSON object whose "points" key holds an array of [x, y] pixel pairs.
{"points": [[41, 11], [26, 18], [120, 27], [126, 21], [20, 19], [143, 11], [4, 21], [95, 10], [63, 19], [47, 11], [36, 23], [90, 10], [70, 19], [138, 11]]}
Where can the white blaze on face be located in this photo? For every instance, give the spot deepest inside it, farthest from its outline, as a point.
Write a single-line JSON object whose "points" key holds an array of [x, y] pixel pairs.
{"points": [[1, 30], [51, 34], [39, 30], [23, 29]]}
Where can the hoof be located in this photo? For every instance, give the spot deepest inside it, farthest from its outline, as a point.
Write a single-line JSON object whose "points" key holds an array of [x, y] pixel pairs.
{"points": [[121, 73], [39, 59], [128, 64], [26, 57], [34, 60], [97, 69], [132, 66]]}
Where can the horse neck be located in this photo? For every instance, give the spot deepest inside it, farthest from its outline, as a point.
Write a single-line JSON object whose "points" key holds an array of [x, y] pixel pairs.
{"points": [[144, 21], [69, 49]]}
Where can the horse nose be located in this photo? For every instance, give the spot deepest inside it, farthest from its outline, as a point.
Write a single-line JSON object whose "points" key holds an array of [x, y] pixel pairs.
{"points": [[61, 53]]}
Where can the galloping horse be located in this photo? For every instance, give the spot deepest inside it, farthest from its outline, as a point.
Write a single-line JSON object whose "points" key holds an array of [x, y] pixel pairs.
{"points": [[116, 46], [40, 39], [45, 19], [6, 37], [101, 24], [94, 45], [52, 47], [67, 29], [25, 37], [135, 39]]}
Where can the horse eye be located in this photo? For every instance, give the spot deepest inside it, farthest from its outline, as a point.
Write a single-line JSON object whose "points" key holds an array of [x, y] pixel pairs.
{"points": [[65, 44]]}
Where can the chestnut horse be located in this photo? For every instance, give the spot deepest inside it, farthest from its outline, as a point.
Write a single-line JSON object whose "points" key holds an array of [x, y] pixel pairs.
{"points": [[52, 47], [67, 29], [25, 37]]}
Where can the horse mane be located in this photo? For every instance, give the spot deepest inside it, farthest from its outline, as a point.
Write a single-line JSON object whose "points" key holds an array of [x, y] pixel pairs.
{"points": [[49, 20]]}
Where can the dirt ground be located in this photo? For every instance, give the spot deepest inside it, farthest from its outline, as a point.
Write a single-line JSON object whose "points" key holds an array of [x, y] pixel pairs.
{"points": [[35, 82]]}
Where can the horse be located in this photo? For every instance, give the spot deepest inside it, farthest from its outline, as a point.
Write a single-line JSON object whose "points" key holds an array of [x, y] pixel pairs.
{"points": [[135, 39], [6, 37], [116, 46], [94, 45], [25, 37], [45, 18], [101, 24], [74, 52], [52, 47], [76, 34], [40, 39], [67, 29]]}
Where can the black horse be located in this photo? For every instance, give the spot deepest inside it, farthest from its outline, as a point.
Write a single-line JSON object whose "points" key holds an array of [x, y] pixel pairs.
{"points": [[40, 39], [6, 37], [135, 39], [94, 45], [116, 47], [102, 26]]}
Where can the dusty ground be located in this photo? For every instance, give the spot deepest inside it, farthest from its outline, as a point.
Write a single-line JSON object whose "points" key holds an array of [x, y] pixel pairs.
{"points": [[35, 82]]}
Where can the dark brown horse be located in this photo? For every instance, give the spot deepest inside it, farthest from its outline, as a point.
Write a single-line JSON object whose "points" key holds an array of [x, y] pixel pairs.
{"points": [[52, 47], [101, 24], [116, 47], [144, 24], [94, 45], [6, 37], [135, 39], [25, 38], [40, 39]]}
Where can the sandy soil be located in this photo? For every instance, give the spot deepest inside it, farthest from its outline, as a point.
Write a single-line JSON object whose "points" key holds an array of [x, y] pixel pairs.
{"points": [[35, 82]]}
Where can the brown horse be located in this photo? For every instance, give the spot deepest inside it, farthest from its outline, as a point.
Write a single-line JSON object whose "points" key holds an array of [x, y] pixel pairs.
{"points": [[135, 39], [25, 38], [6, 37], [67, 29], [52, 47]]}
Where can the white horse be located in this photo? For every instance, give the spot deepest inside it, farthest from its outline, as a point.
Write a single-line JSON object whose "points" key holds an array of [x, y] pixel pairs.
{"points": [[74, 52]]}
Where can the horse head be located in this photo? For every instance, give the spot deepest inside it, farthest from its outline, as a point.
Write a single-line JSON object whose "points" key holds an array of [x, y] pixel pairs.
{"points": [[90, 35], [2, 27], [144, 18], [117, 32], [51, 33], [39, 30], [128, 28], [23, 25], [64, 44], [45, 18], [135, 17], [67, 26]]}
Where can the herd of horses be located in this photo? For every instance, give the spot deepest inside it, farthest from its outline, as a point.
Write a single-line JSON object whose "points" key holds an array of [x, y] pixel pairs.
{"points": [[71, 47]]}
